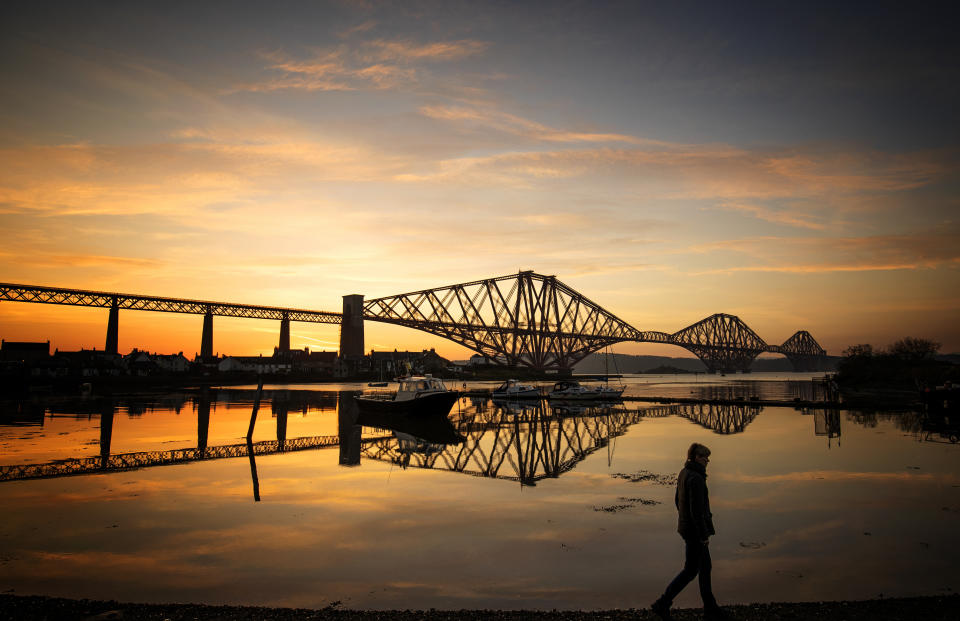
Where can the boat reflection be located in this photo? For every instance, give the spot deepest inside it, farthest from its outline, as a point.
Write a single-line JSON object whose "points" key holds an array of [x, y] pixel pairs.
{"points": [[416, 438], [523, 442], [940, 427]]}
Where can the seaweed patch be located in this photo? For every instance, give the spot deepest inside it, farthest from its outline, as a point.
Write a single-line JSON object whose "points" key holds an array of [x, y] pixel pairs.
{"points": [[645, 476]]}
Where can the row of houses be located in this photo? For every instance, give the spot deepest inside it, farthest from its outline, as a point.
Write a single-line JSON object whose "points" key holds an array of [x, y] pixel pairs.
{"points": [[35, 359]]}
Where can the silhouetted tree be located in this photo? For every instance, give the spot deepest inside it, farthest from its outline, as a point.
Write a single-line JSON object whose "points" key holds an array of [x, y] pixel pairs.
{"points": [[907, 365], [913, 349], [863, 350]]}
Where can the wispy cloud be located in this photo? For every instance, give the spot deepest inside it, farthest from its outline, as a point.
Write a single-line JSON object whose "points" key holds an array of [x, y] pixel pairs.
{"points": [[492, 118], [916, 251], [58, 260], [358, 29], [726, 174], [379, 64], [775, 216], [825, 268], [407, 51]]}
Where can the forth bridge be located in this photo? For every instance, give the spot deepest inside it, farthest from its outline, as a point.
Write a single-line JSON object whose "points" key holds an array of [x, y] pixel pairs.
{"points": [[524, 319]]}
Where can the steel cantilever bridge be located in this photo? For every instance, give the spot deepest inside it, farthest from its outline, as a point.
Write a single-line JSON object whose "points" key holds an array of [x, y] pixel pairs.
{"points": [[528, 319], [524, 319]]}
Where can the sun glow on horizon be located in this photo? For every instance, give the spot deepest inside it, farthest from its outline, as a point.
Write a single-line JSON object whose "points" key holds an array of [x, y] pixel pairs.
{"points": [[380, 151]]}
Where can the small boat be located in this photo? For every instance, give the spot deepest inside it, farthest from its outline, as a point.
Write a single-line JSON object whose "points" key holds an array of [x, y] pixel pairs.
{"points": [[570, 390], [512, 389], [945, 397], [608, 392], [421, 395], [377, 384]]}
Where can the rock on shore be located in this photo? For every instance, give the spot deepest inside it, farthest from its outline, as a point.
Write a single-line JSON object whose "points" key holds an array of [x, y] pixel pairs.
{"points": [[30, 608]]}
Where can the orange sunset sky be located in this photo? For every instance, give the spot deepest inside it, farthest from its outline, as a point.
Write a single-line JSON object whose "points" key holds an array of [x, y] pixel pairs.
{"points": [[795, 164]]}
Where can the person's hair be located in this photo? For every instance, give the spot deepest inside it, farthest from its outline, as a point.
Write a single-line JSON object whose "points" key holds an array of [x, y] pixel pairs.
{"points": [[697, 450]]}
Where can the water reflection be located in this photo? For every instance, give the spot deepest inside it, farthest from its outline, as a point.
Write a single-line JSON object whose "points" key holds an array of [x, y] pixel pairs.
{"points": [[795, 521], [523, 441], [940, 428], [107, 410], [931, 426], [730, 388]]}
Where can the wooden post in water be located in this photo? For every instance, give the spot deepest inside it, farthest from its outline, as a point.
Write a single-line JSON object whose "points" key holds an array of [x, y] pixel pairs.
{"points": [[253, 471], [203, 421], [253, 414], [253, 423], [106, 433]]}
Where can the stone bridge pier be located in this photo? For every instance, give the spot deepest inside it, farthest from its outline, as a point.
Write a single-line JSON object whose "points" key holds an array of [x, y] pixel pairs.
{"points": [[351, 329]]}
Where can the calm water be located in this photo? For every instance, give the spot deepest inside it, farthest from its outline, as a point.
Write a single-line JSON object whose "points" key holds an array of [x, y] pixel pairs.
{"points": [[505, 506]]}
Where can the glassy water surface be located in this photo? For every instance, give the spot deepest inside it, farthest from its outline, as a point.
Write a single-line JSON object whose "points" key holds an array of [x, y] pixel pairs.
{"points": [[157, 498]]}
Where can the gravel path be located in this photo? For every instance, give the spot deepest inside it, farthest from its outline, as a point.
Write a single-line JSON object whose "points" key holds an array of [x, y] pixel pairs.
{"points": [[27, 608]]}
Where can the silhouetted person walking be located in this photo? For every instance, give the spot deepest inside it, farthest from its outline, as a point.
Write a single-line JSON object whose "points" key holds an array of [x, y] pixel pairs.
{"points": [[695, 525]]}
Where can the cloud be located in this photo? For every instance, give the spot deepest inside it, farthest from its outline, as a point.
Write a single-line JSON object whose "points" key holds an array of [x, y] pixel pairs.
{"points": [[723, 173], [406, 51], [377, 65], [87, 260], [774, 216], [492, 118], [915, 251], [823, 268], [177, 178], [358, 29]]}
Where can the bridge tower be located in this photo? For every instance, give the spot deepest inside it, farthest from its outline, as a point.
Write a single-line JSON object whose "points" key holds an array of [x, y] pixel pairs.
{"points": [[351, 330], [113, 328], [206, 336], [804, 352], [284, 346], [723, 342]]}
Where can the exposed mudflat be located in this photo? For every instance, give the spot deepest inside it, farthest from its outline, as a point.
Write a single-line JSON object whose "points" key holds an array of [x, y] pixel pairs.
{"points": [[27, 608]]}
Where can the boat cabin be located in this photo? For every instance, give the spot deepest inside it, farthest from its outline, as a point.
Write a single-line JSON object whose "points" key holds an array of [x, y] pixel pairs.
{"points": [[413, 387]]}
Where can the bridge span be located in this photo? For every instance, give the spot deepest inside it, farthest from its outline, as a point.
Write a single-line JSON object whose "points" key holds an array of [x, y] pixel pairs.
{"points": [[524, 319]]}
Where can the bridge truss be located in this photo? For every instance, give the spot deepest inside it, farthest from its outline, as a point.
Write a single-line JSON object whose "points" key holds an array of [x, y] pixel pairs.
{"points": [[146, 459], [102, 299], [803, 351], [536, 441], [723, 342], [520, 443], [531, 320], [524, 319]]}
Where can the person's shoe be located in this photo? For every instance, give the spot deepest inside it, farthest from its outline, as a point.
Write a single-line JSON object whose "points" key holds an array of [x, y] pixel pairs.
{"points": [[661, 609], [716, 614]]}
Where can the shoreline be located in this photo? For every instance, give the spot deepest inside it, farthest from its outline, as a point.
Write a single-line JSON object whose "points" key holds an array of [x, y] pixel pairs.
{"points": [[36, 607], [865, 399]]}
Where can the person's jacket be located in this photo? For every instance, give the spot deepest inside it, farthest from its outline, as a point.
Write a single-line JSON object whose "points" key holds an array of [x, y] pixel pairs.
{"points": [[693, 503]]}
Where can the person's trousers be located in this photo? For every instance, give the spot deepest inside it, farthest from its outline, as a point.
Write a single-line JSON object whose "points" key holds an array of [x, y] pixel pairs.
{"points": [[697, 562]]}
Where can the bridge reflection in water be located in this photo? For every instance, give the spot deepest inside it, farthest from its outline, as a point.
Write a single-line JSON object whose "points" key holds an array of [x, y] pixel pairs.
{"points": [[520, 442], [528, 442]]}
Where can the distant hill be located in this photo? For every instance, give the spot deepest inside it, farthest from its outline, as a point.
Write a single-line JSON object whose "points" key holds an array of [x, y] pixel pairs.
{"points": [[626, 363], [667, 370]]}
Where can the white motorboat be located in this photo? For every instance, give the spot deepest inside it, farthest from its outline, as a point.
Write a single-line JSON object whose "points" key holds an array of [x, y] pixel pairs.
{"points": [[424, 395], [570, 390], [512, 389]]}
